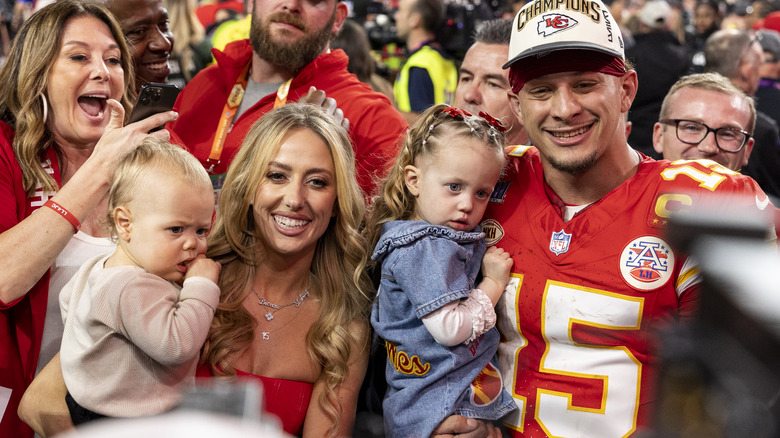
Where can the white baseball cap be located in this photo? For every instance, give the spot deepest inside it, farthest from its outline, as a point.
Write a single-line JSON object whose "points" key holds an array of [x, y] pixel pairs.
{"points": [[655, 13], [544, 26]]}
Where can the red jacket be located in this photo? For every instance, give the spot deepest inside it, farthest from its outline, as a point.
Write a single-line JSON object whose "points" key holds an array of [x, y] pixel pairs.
{"points": [[21, 321], [375, 126]]}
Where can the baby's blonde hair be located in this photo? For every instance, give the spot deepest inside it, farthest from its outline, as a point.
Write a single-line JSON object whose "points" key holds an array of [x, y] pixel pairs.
{"points": [[152, 156]]}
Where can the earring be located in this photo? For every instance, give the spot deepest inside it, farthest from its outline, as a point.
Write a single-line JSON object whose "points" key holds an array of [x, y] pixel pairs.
{"points": [[45, 107]]}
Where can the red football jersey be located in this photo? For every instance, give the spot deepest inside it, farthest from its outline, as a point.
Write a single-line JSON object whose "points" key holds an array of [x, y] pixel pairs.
{"points": [[585, 296]]}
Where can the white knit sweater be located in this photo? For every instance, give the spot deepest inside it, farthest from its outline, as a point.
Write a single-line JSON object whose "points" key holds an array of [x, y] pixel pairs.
{"points": [[132, 339]]}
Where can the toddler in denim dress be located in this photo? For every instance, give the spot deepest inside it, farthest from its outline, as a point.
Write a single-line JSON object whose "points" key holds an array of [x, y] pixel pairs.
{"points": [[437, 322]]}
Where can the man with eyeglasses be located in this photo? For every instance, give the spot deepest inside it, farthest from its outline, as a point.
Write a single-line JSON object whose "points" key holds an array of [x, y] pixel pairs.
{"points": [[738, 55], [705, 116]]}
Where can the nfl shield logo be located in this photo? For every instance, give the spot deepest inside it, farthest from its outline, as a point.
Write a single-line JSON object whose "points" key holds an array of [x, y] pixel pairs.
{"points": [[559, 243]]}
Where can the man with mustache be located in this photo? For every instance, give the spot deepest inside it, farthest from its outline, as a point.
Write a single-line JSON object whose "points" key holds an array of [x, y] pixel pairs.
{"points": [[288, 52]]}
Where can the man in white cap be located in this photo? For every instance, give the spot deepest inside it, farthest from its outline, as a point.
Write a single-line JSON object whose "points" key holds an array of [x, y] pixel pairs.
{"points": [[583, 215]]}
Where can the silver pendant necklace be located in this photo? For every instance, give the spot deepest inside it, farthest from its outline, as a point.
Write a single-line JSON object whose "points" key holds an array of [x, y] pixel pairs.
{"points": [[269, 314]]}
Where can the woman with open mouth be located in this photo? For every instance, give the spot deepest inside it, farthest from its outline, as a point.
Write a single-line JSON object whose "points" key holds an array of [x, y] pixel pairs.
{"points": [[67, 85]]}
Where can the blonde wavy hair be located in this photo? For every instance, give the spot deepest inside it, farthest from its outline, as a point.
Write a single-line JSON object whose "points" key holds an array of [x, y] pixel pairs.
{"points": [[24, 79], [338, 268], [430, 132]]}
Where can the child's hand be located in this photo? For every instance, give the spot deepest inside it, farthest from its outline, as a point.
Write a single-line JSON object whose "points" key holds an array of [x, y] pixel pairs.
{"points": [[496, 265], [203, 267]]}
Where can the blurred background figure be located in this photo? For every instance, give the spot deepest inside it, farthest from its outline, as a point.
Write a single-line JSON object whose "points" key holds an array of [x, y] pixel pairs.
{"points": [[738, 55], [512, 7], [213, 12], [230, 25], [707, 17], [659, 59], [6, 15], [768, 93], [764, 164], [353, 40], [736, 17], [428, 76], [771, 21], [193, 51], [757, 12]]}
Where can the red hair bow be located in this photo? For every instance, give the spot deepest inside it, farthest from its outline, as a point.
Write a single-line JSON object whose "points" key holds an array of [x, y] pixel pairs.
{"points": [[493, 122], [456, 112]]}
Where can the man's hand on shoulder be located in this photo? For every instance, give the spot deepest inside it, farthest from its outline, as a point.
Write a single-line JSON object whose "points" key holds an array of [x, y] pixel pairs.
{"points": [[319, 98]]}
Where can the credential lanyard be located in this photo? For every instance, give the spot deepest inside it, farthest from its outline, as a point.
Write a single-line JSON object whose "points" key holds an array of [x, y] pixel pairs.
{"points": [[229, 112]]}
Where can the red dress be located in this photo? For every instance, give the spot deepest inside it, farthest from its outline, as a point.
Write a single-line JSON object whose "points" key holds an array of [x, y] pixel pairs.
{"points": [[286, 399]]}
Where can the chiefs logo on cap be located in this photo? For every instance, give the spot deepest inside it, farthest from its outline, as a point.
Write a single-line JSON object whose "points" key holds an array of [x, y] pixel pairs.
{"points": [[552, 23]]}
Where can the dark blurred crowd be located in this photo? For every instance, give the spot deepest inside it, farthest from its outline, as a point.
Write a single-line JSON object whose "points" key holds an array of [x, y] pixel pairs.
{"points": [[653, 30]]}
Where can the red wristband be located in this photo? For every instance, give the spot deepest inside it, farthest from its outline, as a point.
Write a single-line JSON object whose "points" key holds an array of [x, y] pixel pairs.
{"points": [[64, 213]]}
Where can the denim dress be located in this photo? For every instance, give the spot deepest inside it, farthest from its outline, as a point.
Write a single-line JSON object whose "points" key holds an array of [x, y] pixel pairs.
{"points": [[424, 267]]}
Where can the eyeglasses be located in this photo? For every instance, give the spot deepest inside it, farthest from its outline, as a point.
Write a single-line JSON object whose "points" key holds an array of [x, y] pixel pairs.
{"points": [[690, 132]]}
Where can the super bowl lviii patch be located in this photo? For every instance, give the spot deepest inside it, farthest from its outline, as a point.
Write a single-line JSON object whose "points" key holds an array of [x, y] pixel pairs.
{"points": [[499, 191], [646, 263]]}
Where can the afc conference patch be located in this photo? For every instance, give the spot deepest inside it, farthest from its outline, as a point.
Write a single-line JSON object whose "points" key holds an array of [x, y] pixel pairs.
{"points": [[647, 263], [559, 243]]}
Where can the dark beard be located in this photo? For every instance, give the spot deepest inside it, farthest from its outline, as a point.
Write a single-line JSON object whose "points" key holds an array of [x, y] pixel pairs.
{"points": [[575, 167], [292, 56]]}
